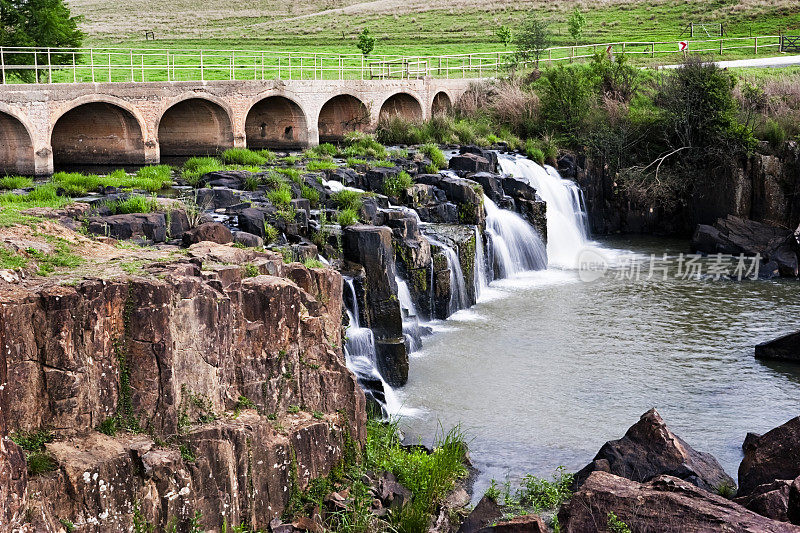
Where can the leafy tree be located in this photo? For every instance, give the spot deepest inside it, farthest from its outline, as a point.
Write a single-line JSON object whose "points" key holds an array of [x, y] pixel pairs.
{"points": [[576, 23], [504, 34], [38, 23], [366, 42], [532, 39], [566, 97]]}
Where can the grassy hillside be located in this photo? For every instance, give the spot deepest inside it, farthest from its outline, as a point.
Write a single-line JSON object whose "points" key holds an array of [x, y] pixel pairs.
{"points": [[410, 27]]}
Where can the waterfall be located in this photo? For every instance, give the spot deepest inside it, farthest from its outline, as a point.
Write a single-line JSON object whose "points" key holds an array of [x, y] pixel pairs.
{"points": [[566, 214], [413, 331], [360, 358], [458, 287], [515, 245]]}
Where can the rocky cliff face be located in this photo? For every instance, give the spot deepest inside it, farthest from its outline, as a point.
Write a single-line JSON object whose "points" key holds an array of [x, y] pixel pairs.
{"points": [[216, 392], [765, 188]]}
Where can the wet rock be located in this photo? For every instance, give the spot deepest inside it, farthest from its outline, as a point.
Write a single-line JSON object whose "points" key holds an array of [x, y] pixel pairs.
{"points": [[217, 198], [210, 231], [248, 239], [252, 220], [375, 177], [735, 235], [665, 504], [770, 500], [489, 155], [232, 179], [470, 163], [775, 455], [466, 194], [786, 348], [490, 183], [145, 226], [521, 524], [485, 513], [371, 247], [650, 449]]}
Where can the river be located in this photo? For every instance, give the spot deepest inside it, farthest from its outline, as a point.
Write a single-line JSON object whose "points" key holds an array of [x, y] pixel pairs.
{"points": [[547, 367]]}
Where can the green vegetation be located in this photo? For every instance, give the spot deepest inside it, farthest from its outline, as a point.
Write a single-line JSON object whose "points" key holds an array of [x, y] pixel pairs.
{"points": [[353, 162], [313, 263], [347, 199], [347, 217], [134, 204], [366, 42], [38, 23], [270, 233], [250, 270], [280, 197], [534, 495], [311, 194], [436, 156], [532, 38], [32, 443], [69, 527], [195, 167], [187, 454], [243, 156], [615, 525], [150, 179], [576, 23], [364, 146], [317, 165], [394, 185], [15, 182], [293, 409]]}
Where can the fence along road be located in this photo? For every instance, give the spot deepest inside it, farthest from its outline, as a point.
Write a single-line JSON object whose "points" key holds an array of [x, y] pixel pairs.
{"points": [[103, 65]]}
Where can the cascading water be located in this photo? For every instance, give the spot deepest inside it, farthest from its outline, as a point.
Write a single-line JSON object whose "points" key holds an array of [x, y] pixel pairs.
{"points": [[458, 287], [413, 331], [566, 214], [360, 357], [516, 246], [479, 269]]}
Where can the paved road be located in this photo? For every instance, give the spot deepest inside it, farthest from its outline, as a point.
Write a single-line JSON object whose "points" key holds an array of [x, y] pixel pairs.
{"points": [[771, 62]]}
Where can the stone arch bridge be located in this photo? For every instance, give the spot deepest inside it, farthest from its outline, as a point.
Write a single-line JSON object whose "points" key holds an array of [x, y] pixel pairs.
{"points": [[138, 123]]}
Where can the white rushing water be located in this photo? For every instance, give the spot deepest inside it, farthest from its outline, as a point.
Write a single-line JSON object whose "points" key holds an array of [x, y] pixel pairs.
{"points": [[516, 246], [458, 286], [566, 214]]}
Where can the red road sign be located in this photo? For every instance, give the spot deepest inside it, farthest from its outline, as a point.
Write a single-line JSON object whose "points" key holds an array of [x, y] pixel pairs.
{"points": [[682, 46], [609, 49]]}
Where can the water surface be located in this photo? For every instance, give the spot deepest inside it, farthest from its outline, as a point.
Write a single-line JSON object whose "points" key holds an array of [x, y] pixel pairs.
{"points": [[546, 368]]}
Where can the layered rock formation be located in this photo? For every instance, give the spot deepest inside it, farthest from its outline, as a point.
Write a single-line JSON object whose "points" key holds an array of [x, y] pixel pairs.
{"points": [[216, 392]]}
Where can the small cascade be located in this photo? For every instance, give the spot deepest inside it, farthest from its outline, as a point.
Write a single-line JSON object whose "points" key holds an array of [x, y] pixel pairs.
{"points": [[566, 213], [481, 277], [516, 246], [413, 330], [360, 357], [458, 287]]}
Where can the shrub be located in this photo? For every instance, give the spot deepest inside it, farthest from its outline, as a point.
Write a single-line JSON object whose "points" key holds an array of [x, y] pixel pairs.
{"points": [[270, 233], [544, 495], [614, 79], [313, 263], [774, 133], [32, 443], [615, 525], [268, 155], [250, 270], [251, 183], [347, 199], [15, 182], [325, 149], [565, 98], [394, 185], [243, 156], [435, 155], [532, 38], [347, 217], [363, 145], [282, 196]]}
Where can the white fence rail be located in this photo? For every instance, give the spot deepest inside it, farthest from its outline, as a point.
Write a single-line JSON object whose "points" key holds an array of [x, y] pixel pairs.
{"points": [[102, 65]]}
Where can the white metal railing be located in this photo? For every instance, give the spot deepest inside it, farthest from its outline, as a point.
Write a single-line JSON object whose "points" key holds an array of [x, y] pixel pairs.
{"points": [[102, 65]]}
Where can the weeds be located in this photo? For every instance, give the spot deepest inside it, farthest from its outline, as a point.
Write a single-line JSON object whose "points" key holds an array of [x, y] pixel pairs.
{"points": [[196, 167], [15, 182], [315, 165], [32, 443], [282, 196], [311, 194], [243, 156], [133, 204], [347, 199], [394, 185], [435, 155], [347, 217]]}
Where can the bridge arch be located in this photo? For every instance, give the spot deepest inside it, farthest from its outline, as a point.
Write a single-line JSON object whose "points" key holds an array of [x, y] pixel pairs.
{"points": [[403, 105], [98, 130], [341, 114], [194, 125], [16, 144], [276, 121], [442, 103]]}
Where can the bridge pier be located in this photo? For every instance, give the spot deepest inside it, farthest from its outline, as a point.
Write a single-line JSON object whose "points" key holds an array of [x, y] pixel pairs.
{"points": [[46, 125]]}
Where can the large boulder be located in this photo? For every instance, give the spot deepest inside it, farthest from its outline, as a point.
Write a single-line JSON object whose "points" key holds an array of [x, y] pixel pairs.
{"points": [[470, 163], [665, 504], [490, 183], [770, 500], [530, 523], [786, 348], [145, 226], [466, 194], [773, 456], [210, 231], [735, 235], [650, 449], [252, 220], [489, 155], [485, 513]]}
